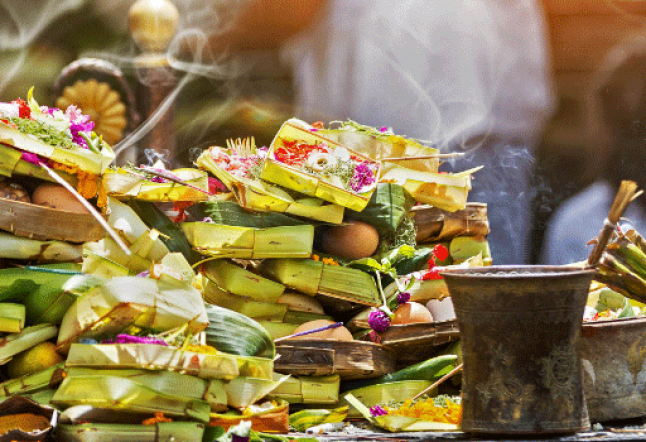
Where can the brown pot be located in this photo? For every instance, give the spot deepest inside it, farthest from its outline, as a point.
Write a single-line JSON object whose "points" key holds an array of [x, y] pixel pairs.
{"points": [[614, 373], [520, 329]]}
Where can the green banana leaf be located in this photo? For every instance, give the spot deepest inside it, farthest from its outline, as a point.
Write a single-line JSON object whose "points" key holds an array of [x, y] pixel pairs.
{"points": [[398, 424], [164, 381], [236, 334], [40, 280], [386, 209], [51, 305], [172, 235], [125, 394], [108, 309], [229, 213], [165, 431]]}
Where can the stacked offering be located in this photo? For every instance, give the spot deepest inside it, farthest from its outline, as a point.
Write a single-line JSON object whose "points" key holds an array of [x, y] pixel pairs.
{"points": [[122, 336]]}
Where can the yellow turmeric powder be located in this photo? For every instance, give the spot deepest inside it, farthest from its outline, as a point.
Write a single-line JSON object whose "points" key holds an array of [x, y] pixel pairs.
{"points": [[27, 422]]}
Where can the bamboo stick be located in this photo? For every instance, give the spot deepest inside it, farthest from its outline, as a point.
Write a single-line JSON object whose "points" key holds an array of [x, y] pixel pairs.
{"points": [[440, 381], [88, 206], [627, 192], [170, 177]]}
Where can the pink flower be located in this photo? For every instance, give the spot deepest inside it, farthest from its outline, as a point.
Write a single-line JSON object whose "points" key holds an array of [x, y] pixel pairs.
{"points": [[130, 339], [377, 410], [30, 158]]}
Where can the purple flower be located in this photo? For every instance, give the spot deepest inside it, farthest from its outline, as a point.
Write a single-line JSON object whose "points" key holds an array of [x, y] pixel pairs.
{"points": [[30, 158], [377, 410], [130, 339], [383, 129], [236, 438], [379, 321], [403, 298], [363, 176]]}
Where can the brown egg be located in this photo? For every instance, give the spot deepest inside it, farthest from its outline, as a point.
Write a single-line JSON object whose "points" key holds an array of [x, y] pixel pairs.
{"points": [[355, 240], [337, 334], [58, 197], [411, 312]]}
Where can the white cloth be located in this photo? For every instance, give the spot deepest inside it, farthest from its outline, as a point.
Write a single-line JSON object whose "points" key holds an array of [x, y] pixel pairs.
{"points": [[445, 70], [580, 218]]}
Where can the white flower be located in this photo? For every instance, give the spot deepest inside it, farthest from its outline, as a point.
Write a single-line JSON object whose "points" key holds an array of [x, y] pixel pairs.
{"points": [[9, 110]]}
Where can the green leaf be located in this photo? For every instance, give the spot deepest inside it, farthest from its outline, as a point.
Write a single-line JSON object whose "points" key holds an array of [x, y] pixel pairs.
{"points": [[173, 236], [237, 334], [386, 209], [230, 213], [16, 283]]}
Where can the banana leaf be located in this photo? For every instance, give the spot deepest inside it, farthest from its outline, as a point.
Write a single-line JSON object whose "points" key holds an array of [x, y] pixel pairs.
{"points": [[386, 210], [236, 334], [172, 235], [122, 183], [163, 381], [304, 419], [398, 424], [378, 394], [126, 394], [229, 213], [12, 164], [15, 343], [34, 382], [138, 260], [314, 277], [84, 159], [444, 191], [378, 145], [128, 223], [102, 267], [244, 391], [250, 243], [238, 281], [165, 431], [15, 247], [40, 281], [260, 196], [156, 357], [301, 181], [35, 221], [272, 418], [110, 308], [245, 306], [308, 390]]}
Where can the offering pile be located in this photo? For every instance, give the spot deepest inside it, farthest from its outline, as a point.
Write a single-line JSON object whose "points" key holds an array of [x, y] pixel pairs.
{"points": [[181, 324]]}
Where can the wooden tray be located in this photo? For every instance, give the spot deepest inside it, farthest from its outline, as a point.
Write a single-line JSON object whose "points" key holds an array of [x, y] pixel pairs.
{"points": [[433, 224], [45, 223], [321, 357], [412, 343]]}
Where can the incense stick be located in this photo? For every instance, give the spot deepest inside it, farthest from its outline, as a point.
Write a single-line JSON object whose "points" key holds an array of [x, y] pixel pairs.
{"points": [[441, 380], [308, 332], [426, 157], [170, 177], [626, 193], [88, 206]]}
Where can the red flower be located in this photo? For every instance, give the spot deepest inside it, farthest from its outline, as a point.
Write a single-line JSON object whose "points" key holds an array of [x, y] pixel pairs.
{"points": [[25, 111], [441, 252]]}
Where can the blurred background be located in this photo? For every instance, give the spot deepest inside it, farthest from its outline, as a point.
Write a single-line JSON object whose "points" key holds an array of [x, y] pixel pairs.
{"points": [[252, 91]]}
